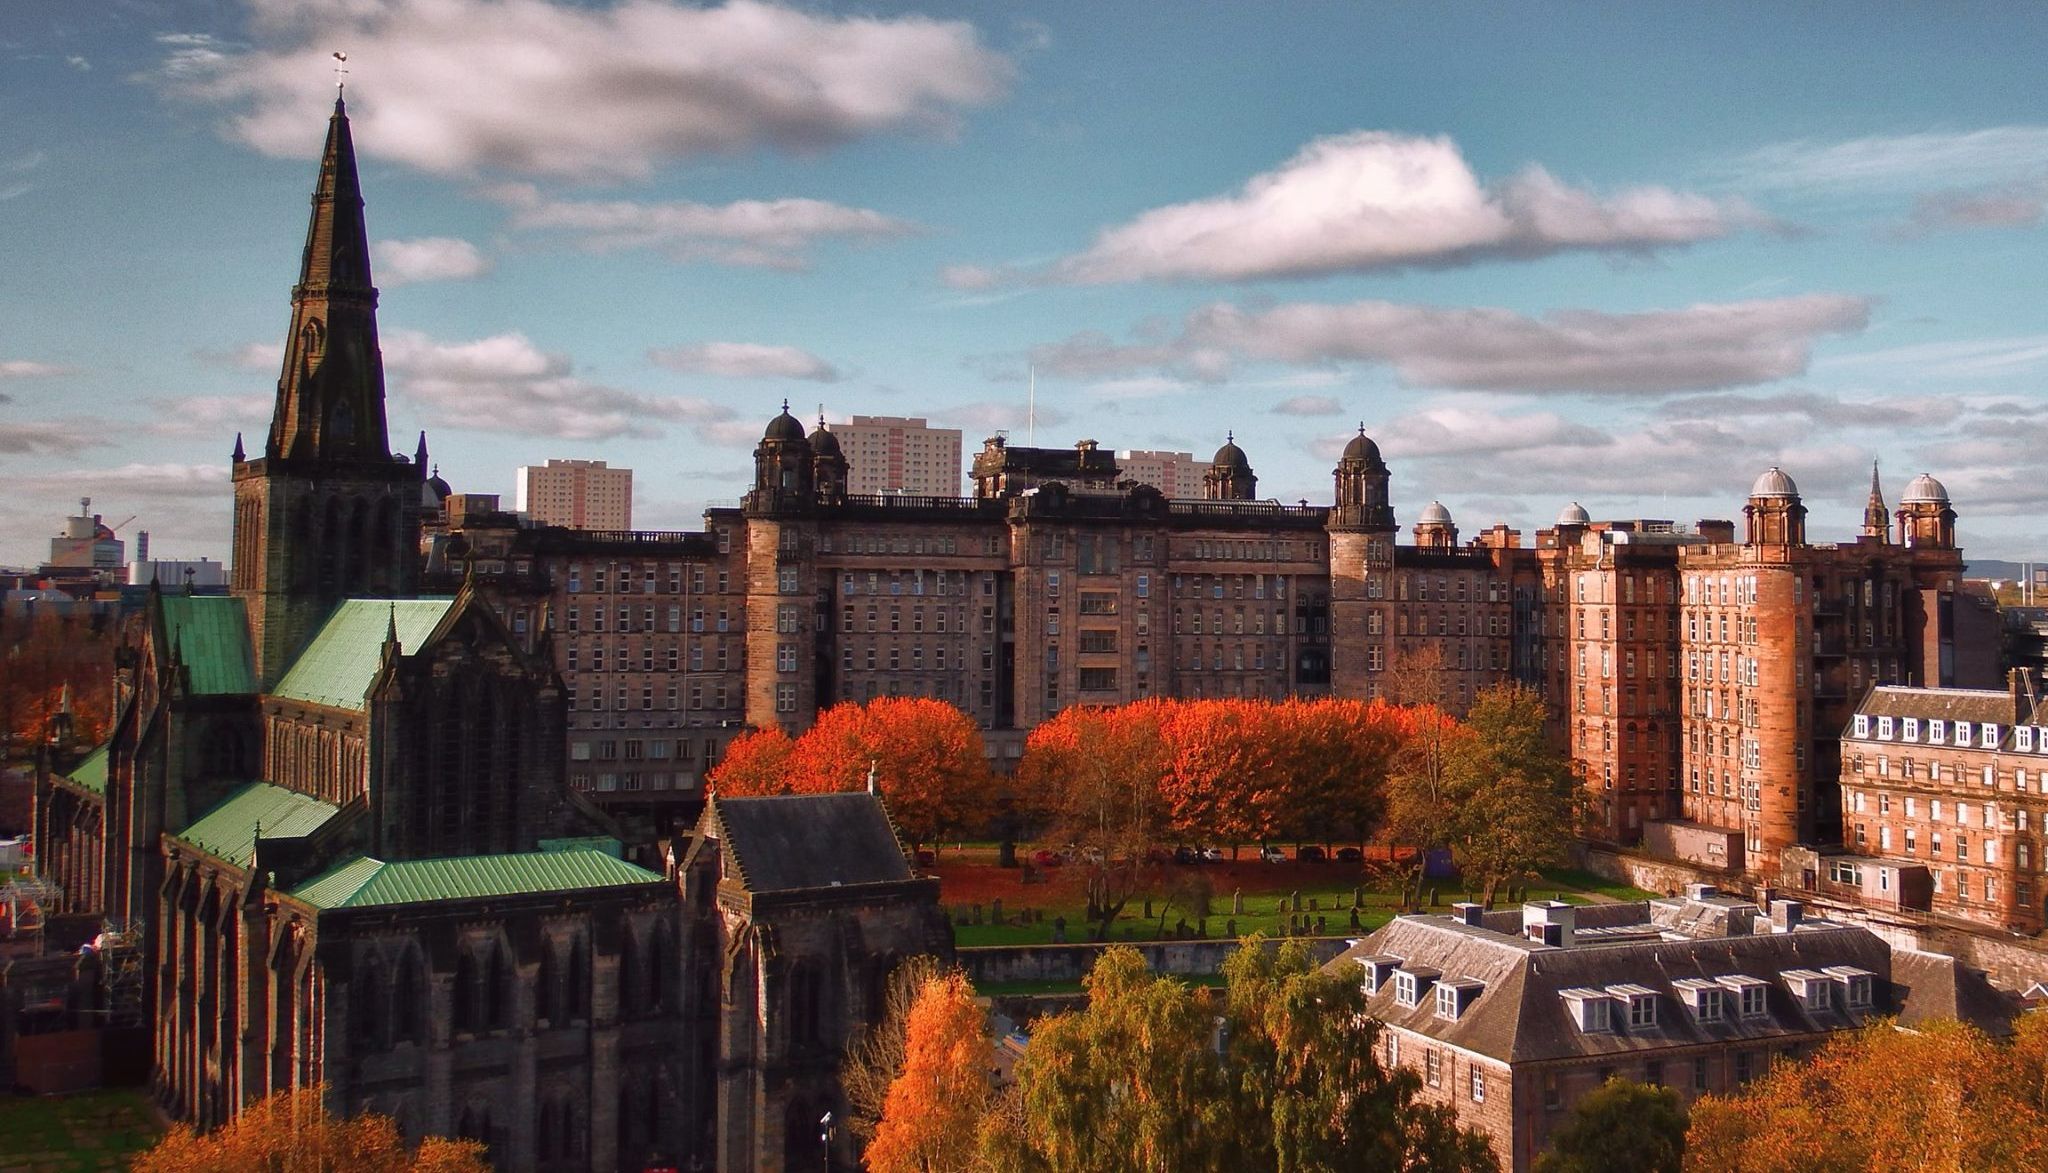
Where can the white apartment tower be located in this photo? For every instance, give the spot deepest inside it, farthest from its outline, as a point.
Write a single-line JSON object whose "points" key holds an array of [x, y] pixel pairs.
{"points": [[895, 454], [579, 494]]}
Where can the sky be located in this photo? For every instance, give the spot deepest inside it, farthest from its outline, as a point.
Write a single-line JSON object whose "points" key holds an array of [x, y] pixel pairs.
{"points": [[1628, 255]]}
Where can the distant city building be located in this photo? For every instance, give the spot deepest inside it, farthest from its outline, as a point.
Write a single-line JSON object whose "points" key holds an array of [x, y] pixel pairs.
{"points": [[1176, 474], [87, 542], [1511, 1017], [178, 572], [898, 454], [578, 494]]}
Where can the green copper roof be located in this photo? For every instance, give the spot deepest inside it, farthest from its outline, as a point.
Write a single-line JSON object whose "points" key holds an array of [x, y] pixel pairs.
{"points": [[211, 634], [91, 772], [365, 883], [604, 843], [337, 667], [229, 830]]}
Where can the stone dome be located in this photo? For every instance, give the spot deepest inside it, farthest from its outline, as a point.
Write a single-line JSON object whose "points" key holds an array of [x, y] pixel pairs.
{"points": [[1774, 483], [1230, 456], [1574, 514], [784, 427], [436, 490], [824, 443], [1362, 448], [1924, 489], [1434, 513]]}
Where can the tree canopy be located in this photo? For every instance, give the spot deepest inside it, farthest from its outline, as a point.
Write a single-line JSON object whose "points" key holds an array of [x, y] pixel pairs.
{"points": [[292, 1132], [926, 754], [1620, 1127], [1941, 1097], [932, 1116]]}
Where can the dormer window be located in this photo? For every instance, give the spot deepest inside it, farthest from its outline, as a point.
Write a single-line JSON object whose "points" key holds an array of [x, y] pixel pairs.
{"points": [[1962, 733], [1752, 995], [1641, 1002], [1988, 737], [1815, 990], [1884, 728], [1378, 971], [1592, 1010], [1706, 999], [1452, 997], [2023, 738], [1410, 985], [1862, 727], [1937, 731], [1857, 985], [1909, 728]]}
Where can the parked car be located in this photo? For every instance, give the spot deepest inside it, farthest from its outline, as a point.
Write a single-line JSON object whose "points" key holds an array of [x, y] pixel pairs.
{"points": [[926, 857], [1310, 854], [1046, 857], [1349, 855], [1272, 855], [1210, 854], [1160, 855]]}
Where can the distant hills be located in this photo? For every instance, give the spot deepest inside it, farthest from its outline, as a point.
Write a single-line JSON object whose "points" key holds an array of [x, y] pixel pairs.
{"points": [[1995, 569]]}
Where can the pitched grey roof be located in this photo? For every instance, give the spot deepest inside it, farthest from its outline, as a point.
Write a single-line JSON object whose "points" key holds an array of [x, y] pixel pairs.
{"points": [[1522, 1017], [1935, 985], [1990, 705], [793, 842]]}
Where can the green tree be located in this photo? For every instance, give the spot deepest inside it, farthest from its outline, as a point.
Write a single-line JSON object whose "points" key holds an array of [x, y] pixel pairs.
{"points": [[1517, 801], [1620, 1127], [1137, 1082]]}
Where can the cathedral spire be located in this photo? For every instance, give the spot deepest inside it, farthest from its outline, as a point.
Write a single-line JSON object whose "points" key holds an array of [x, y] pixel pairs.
{"points": [[1876, 522], [330, 395]]}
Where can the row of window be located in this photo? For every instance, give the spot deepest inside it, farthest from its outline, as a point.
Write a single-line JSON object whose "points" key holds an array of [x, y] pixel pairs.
{"points": [[606, 578], [1937, 731]]}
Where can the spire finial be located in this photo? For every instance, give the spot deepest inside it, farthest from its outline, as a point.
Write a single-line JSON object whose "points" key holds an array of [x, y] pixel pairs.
{"points": [[239, 457], [340, 74], [785, 405], [1229, 437], [1361, 427], [391, 625], [419, 457]]}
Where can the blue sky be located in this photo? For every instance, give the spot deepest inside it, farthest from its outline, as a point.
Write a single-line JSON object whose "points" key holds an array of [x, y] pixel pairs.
{"points": [[1629, 255]]}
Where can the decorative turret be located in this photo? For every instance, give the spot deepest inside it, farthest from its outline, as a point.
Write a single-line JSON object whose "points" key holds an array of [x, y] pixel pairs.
{"points": [[1230, 474], [1876, 522], [1775, 515], [783, 476], [1362, 477], [1435, 530], [1925, 516], [828, 465]]}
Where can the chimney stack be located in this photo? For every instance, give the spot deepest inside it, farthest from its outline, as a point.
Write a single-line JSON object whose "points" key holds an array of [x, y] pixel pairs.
{"points": [[1786, 915], [1469, 913], [1549, 922]]}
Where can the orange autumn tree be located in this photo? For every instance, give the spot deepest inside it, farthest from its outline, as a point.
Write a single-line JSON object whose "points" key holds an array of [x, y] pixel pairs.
{"points": [[1220, 767], [931, 1119], [1332, 759], [292, 1132], [927, 755], [1091, 779], [755, 764], [1943, 1096]]}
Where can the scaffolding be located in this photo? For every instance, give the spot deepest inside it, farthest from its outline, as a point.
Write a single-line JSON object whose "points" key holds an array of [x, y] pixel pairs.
{"points": [[119, 947], [25, 901]]}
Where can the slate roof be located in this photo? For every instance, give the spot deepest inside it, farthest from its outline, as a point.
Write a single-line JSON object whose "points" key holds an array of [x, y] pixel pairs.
{"points": [[211, 635], [364, 882], [1939, 986], [337, 668], [1521, 1016], [799, 841], [228, 831], [91, 772], [1988, 705]]}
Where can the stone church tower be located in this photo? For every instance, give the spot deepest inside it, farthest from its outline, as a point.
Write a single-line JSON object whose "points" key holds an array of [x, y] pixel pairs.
{"points": [[327, 511]]}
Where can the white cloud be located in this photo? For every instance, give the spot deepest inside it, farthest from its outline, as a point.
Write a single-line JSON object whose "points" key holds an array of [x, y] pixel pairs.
{"points": [[1701, 347], [1371, 200], [773, 234], [1898, 162], [603, 91], [746, 360], [250, 356], [140, 482], [993, 416], [78, 63], [2021, 205], [507, 384], [427, 258], [1963, 358], [50, 437], [1308, 405], [21, 368], [209, 416]]}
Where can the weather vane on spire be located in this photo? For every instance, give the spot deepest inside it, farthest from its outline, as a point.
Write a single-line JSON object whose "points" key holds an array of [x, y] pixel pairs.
{"points": [[340, 70]]}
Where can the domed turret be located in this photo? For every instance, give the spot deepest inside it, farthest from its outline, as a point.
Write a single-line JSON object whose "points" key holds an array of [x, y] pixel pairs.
{"points": [[1774, 483], [1363, 502], [1434, 529], [1776, 518], [783, 476], [828, 465], [784, 427], [1363, 450], [823, 442], [1574, 514], [1924, 490], [1230, 474]]}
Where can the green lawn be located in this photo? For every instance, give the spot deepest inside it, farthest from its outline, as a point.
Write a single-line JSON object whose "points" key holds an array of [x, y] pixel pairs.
{"points": [[72, 1134], [1324, 891]]}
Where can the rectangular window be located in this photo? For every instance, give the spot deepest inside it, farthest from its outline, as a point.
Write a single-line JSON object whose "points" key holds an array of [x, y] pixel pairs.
{"points": [[1478, 1085]]}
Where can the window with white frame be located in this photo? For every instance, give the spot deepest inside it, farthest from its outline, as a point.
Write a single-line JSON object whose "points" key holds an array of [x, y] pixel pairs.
{"points": [[1478, 1084]]}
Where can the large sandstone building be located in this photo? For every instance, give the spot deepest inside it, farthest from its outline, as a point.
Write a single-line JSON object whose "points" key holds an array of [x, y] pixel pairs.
{"points": [[334, 829], [1698, 675]]}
